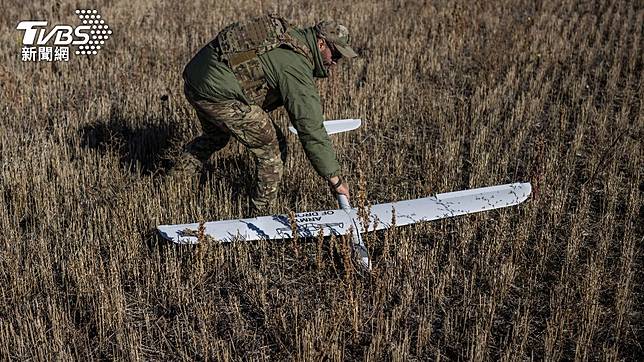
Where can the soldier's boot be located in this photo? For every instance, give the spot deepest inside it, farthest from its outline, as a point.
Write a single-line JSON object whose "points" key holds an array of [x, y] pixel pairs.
{"points": [[193, 156], [185, 165]]}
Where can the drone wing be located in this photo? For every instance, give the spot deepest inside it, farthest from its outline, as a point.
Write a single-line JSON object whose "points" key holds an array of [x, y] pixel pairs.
{"points": [[339, 222], [448, 204], [309, 224], [337, 125]]}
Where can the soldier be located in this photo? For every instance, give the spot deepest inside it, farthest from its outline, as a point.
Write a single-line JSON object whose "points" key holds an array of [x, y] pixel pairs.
{"points": [[251, 68]]}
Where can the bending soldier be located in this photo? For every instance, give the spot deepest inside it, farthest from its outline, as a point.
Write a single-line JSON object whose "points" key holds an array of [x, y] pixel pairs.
{"points": [[251, 68]]}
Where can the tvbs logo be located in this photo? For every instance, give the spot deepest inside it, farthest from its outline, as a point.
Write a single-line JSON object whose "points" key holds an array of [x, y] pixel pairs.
{"points": [[88, 38]]}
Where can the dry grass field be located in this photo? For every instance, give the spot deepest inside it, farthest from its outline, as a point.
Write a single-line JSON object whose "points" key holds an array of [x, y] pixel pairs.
{"points": [[453, 94]]}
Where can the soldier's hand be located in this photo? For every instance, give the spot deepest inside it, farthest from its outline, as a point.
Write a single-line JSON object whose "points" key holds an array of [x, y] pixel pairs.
{"points": [[338, 186]]}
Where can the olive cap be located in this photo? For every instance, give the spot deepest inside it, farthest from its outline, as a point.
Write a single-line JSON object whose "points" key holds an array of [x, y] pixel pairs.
{"points": [[338, 35]]}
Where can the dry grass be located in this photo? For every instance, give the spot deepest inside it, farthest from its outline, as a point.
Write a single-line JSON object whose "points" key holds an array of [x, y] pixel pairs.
{"points": [[453, 94]]}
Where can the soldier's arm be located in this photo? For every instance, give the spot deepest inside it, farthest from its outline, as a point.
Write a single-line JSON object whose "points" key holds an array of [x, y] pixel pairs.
{"points": [[302, 102]]}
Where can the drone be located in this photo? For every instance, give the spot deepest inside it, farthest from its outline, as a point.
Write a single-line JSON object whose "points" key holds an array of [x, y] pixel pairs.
{"points": [[348, 220]]}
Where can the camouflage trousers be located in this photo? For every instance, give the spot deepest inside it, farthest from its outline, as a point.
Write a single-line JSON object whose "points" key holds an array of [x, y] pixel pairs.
{"points": [[251, 126]]}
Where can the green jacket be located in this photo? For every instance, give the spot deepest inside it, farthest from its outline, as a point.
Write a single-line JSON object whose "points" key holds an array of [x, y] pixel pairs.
{"points": [[290, 77]]}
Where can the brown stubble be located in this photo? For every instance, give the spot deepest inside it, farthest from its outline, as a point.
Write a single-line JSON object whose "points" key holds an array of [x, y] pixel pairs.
{"points": [[453, 94]]}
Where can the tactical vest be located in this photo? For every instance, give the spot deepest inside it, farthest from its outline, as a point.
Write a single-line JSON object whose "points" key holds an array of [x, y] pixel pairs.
{"points": [[240, 44]]}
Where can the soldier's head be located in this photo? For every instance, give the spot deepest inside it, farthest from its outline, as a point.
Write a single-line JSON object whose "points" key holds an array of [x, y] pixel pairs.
{"points": [[333, 42]]}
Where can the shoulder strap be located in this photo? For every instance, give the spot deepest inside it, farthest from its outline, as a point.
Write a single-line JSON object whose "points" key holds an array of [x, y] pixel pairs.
{"points": [[298, 46], [240, 44]]}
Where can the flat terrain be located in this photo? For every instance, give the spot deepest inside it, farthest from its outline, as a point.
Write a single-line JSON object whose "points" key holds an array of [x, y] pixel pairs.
{"points": [[453, 95]]}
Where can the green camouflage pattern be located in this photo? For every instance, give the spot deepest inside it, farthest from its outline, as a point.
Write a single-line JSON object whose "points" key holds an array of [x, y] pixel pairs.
{"points": [[260, 34], [240, 44], [290, 79], [224, 110], [251, 126]]}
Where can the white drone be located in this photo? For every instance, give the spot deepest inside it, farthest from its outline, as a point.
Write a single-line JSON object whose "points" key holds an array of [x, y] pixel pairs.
{"points": [[346, 219]]}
